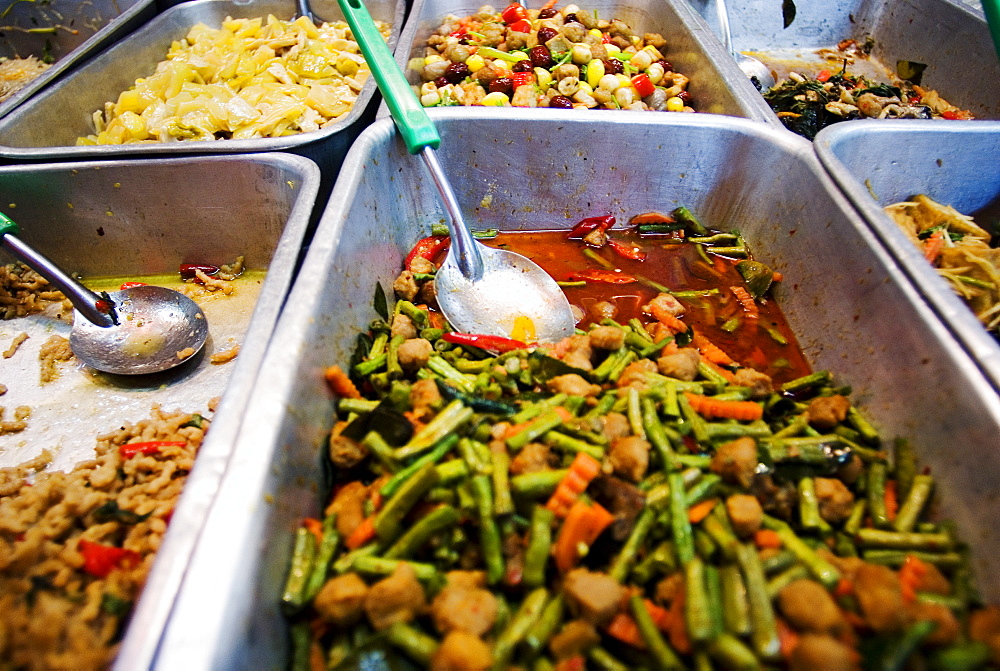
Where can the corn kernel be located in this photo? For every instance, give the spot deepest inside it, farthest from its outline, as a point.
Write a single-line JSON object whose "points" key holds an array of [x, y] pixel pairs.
{"points": [[495, 99], [500, 64], [520, 55], [433, 58], [675, 104], [612, 49], [543, 78], [595, 70], [475, 62], [623, 80], [595, 32], [586, 88]]}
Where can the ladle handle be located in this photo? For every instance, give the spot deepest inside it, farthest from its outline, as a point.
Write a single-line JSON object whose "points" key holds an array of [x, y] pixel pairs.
{"points": [[416, 127], [87, 303]]}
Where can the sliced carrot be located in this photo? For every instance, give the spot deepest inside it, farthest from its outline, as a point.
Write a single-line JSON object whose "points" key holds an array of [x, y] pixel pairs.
{"points": [[583, 524], [787, 638], [910, 575], [767, 538], [363, 535], [650, 217], [844, 588], [315, 527], [624, 628], [700, 511], [934, 245], [748, 303], [673, 324], [710, 351], [574, 663], [563, 413], [583, 469], [891, 499], [339, 383], [776, 276], [677, 630], [710, 408], [724, 372]]}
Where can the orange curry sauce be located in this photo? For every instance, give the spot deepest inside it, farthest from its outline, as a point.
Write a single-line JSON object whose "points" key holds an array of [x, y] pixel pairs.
{"points": [[680, 268]]}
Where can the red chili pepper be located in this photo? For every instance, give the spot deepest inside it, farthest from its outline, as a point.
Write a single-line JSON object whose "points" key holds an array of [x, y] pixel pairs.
{"points": [[823, 76], [605, 38], [100, 560], [129, 450], [642, 85], [460, 33], [188, 270], [604, 276], [522, 26], [513, 12], [490, 342], [522, 79], [589, 224], [427, 248], [103, 306], [627, 251], [131, 285], [951, 115]]}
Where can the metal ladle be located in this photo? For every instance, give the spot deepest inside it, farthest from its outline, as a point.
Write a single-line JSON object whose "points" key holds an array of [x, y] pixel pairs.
{"points": [[758, 73], [479, 289], [143, 329]]}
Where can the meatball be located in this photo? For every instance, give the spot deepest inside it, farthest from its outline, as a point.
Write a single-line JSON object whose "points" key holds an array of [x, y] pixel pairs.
{"points": [[759, 383], [880, 596], [835, 500], [736, 461], [398, 598], [825, 412], [573, 385], [809, 607], [414, 353], [533, 458], [575, 638], [403, 326], [460, 651], [635, 374], [745, 514], [595, 597], [348, 504], [464, 608], [607, 337], [629, 457], [345, 452], [682, 364], [341, 600], [815, 651], [405, 286]]}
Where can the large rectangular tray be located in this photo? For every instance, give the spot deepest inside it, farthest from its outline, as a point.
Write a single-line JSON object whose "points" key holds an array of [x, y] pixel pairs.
{"points": [[47, 126], [950, 37], [78, 30], [954, 163], [127, 218], [850, 305], [717, 85]]}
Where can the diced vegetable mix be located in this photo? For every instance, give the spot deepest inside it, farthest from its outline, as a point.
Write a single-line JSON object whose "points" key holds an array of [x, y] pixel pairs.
{"points": [[568, 58], [631, 497], [251, 78]]}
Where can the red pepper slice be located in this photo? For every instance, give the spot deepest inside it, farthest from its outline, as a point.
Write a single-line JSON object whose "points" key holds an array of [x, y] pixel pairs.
{"points": [[605, 38], [642, 85], [522, 26], [131, 285], [603, 276], [513, 12], [129, 450], [522, 79], [589, 224], [627, 251], [482, 341], [188, 270], [824, 75], [103, 306], [100, 560], [460, 33], [427, 248], [953, 116]]}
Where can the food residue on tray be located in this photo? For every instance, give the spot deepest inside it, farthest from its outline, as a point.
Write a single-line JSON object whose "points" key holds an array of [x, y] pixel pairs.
{"points": [[671, 487], [568, 58], [959, 249], [251, 78], [807, 104], [16, 73]]}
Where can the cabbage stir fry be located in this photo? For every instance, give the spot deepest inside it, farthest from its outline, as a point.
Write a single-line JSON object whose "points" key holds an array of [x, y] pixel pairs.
{"points": [[568, 58], [959, 249], [630, 498], [251, 78]]}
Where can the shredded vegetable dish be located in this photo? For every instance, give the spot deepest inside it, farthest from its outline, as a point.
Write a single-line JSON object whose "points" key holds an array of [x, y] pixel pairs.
{"points": [[16, 73], [669, 488], [959, 249], [568, 58], [251, 78]]}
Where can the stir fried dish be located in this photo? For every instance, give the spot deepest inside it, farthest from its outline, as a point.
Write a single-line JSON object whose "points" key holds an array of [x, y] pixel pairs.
{"points": [[960, 250], [669, 488], [806, 105], [250, 78], [16, 73], [568, 58]]}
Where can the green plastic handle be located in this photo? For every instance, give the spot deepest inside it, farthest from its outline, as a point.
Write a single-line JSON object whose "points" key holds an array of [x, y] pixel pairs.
{"points": [[416, 127], [7, 226], [991, 8]]}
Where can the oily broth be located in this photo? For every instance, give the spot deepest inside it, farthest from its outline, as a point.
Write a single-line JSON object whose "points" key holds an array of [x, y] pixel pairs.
{"points": [[681, 268]]}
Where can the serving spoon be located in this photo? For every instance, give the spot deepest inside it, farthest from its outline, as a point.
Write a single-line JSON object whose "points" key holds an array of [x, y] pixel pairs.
{"points": [[758, 73], [142, 329], [480, 289]]}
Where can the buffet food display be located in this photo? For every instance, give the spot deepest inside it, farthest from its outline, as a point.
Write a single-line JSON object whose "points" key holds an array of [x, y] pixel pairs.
{"points": [[716, 471]]}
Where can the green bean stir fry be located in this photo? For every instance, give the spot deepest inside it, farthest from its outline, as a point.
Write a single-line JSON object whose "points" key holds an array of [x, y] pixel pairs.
{"points": [[629, 498]]}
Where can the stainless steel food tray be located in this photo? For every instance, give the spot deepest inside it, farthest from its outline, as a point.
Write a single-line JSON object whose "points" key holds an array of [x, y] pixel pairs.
{"points": [[78, 30], [950, 37], [717, 85], [850, 305], [955, 163], [47, 126], [126, 218]]}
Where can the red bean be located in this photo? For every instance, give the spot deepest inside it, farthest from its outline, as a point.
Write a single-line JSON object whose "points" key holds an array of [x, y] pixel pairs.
{"points": [[561, 102], [522, 66], [547, 13], [685, 96], [667, 65], [545, 33], [613, 66], [540, 56], [456, 72], [441, 81], [570, 17], [501, 85]]}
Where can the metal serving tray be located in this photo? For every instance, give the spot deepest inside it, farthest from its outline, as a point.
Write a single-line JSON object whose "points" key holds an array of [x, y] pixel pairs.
{"points": [[950, 37], [127, 218], [850, 305], [47, 126], [717, 85], [954, 163], [68, 31]]}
